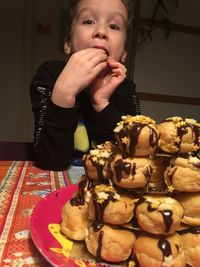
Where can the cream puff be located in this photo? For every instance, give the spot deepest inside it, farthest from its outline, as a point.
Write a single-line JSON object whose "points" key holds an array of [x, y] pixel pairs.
{"points": [[183, 174], [131, 172], [75, 220], [190, 203], [106, 205], [137, 136], [109, 243], [160, 251], [96, 161], [178, 135], [158, 214], [191, 246]]}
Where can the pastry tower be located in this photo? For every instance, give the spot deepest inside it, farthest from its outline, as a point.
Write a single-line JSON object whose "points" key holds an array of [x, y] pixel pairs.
{"points": [[132, 206], [182, 176]]}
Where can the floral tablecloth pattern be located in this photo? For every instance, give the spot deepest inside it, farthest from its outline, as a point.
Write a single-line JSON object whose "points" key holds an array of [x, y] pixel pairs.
{"points": [[21, 187]]}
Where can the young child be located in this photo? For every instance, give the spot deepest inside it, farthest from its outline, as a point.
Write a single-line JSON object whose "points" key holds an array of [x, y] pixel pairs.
{"points": [[90, 90]]}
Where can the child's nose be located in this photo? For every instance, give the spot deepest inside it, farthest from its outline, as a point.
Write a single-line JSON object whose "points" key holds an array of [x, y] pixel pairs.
{"points": [[101, 32]]}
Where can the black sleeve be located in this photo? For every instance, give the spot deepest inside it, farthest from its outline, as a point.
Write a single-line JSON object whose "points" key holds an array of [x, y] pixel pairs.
{"points": [[54, 126], [123, 102]]}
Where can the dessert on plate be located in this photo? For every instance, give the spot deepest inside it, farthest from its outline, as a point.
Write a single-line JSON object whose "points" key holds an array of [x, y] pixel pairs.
{"points": [[191, 245], [107, 206], [137, 136], [183, 173], [138, 194], [131, 172], [178, 135], [191, 205], [109, 243], [160, 251], [96, 161], [158, 214]]}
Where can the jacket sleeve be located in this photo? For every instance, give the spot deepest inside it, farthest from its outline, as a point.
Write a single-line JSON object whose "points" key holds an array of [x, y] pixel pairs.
{"points": [[54, 126], [123, 102]]}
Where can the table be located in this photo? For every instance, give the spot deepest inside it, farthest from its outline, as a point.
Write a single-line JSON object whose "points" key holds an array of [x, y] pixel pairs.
{"points": [[22, 186]]}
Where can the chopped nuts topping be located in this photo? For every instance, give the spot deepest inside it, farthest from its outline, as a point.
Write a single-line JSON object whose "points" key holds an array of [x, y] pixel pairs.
{"points": [[101, 153], [193, 160], [154, 205], [191, 121], [175, 119], [105, 188], [168, 261], [131, 120], [103, 191], [179, 121]]}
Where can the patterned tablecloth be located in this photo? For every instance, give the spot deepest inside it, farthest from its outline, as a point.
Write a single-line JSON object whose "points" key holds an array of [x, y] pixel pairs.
{"points": [[21, 187]]}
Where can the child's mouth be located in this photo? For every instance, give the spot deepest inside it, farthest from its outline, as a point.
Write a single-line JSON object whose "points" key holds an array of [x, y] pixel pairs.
{"points": [[103, 48]]}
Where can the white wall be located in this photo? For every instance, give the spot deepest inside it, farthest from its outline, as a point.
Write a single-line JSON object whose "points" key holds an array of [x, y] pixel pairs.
{"points": [[22, 51], [10, 67], [163, 66], [47, 46], [170, 66]]}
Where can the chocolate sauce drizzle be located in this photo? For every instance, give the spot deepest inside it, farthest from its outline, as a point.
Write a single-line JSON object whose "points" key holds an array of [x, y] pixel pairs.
{"points": [[183, 129], [166, 214], [164, 246], [170, 176], [172, 165], [192, 230], [148, 173], [83, 185], [167, 217], [133, 134], [121, 166], [99, 167], [100, 243], [99, 209], [130, 169]]}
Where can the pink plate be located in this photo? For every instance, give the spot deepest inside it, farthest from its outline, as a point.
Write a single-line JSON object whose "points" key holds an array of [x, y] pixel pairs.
{"points": [[48, 211]]}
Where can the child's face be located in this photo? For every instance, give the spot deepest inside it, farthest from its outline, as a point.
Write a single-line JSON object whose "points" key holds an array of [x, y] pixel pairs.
{"points": [[101, 24]]}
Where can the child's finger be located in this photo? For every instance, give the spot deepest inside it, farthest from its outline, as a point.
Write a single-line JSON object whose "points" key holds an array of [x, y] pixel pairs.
{"points": [[114, 64], [123, 70]]}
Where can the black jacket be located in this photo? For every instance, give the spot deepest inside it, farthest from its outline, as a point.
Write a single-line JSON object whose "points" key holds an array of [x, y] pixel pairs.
{"points": [[55, 126]]}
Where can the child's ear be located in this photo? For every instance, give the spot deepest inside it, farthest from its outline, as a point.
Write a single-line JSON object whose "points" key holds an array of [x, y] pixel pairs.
{"points": [[67, 47], [123, 57]]}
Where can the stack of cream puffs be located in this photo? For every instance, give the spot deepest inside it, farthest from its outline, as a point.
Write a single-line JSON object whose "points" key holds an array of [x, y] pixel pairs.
{"points": [[138, 200], [135, 165], [182, 176]]}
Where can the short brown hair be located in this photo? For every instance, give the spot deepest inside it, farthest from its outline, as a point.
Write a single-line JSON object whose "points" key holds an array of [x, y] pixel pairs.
{"points": [[71, 10]]}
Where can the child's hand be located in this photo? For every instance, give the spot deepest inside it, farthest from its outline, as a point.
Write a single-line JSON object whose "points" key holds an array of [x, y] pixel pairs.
{"points": [[104, 85], [81, 69]]}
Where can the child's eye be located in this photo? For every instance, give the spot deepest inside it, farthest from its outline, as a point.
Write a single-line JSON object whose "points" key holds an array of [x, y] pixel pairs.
{"points": [[88, 21], [114, 26]]}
